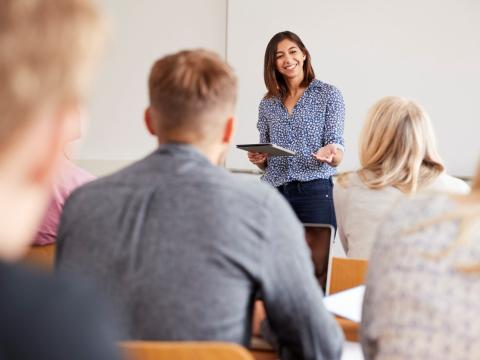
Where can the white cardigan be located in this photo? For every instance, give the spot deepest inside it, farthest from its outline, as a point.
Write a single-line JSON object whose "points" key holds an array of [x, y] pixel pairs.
{"points": [[359, 209]]}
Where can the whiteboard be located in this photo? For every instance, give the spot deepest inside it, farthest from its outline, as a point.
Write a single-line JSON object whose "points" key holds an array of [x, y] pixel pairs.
{"points": [[426, 50]]}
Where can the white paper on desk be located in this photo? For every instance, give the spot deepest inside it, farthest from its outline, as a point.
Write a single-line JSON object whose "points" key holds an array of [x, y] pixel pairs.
{"points": [[347, 304]]}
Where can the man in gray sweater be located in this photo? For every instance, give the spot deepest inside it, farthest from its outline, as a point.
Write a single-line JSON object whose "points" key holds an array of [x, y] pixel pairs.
{"points": [[182, 246]]}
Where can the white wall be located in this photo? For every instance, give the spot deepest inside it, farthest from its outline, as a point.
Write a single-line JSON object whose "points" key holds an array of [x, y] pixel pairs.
{"points": [[141, 31], [428, 50]]}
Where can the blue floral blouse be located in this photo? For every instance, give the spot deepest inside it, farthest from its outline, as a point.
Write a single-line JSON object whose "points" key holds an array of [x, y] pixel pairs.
{"points": [[317, 119]]}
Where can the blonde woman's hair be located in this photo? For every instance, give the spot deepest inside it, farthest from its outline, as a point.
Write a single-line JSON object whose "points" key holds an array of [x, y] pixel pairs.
{"points": [[398, 146], [47, 49]]}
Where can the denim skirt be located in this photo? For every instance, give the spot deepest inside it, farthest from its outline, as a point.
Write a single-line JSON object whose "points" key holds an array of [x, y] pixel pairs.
{"points": [[312, 200]]}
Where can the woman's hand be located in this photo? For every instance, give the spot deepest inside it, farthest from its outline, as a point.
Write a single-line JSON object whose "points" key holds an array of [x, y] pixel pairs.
{"points": [[258, 159], [329, 154]]}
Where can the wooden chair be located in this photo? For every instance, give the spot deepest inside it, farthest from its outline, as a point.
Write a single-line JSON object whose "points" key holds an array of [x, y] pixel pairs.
{"points": [[162, 350], [41, 257], [347, 273]]}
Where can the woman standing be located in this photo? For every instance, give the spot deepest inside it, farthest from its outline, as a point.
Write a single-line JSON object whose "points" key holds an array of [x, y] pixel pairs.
{"points": [[305, 115]]}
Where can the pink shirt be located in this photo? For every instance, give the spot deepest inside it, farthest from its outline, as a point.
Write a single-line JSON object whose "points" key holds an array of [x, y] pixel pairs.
{"points": [[71, 176]]}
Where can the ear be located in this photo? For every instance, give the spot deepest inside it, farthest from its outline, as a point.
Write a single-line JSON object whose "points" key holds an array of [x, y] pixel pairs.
{"points": [[228, 130], [149, 122]]}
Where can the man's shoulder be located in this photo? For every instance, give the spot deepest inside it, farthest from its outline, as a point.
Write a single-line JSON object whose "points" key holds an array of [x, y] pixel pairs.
{"points": [[245, 187], [244, 181], [139, 177], [125, 177]]}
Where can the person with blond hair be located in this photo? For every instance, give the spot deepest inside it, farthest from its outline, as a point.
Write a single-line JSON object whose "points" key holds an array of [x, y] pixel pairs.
{"points": [[47, 49], [398, 158], [182, 245], [423, 278]]}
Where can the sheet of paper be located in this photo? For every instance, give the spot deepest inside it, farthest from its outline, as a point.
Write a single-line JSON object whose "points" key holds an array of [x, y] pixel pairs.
{"points": [[352, 351], [347, 304]]}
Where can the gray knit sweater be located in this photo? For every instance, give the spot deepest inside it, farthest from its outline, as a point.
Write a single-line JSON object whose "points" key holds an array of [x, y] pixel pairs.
{"points": [[182, 247]]}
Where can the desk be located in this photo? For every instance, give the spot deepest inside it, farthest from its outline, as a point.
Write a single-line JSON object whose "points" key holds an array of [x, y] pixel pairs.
{"points": [[261, 350], [351, 351], [42, 257], [264, 355], [349, 327]]}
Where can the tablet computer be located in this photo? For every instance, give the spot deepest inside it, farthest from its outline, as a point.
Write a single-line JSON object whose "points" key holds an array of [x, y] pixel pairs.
{"points": [[271, 149]]}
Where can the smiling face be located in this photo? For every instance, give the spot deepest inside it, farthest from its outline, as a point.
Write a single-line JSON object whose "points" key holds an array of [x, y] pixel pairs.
{"points": [[289, 59], [286, 60]]}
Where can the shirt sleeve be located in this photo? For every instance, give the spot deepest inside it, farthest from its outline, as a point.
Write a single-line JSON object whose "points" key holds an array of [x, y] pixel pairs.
{"points": [[335, 119], [262, 124], [302, 326]]}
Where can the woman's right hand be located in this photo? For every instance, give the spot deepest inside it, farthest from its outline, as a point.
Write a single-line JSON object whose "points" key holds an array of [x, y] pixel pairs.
{"points": [[258, 159]]}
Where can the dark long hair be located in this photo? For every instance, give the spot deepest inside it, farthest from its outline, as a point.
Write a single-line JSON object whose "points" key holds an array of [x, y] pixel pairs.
{"points": [[274, 81]]}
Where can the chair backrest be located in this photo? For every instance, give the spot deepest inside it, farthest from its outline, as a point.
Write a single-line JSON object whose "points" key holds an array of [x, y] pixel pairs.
{"points": [[41, 256], [180, 350], [347, 273]]}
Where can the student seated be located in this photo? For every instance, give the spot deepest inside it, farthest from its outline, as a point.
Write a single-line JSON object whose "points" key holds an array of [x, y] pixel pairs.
{"points": [[424, 277], [46, 50], [68, 178], [182, 245], [398, 157]]}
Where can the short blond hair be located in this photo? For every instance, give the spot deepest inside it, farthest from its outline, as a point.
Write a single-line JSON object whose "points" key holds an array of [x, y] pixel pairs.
{"points": [[47, 49], [398, 146], [191, 91]]}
